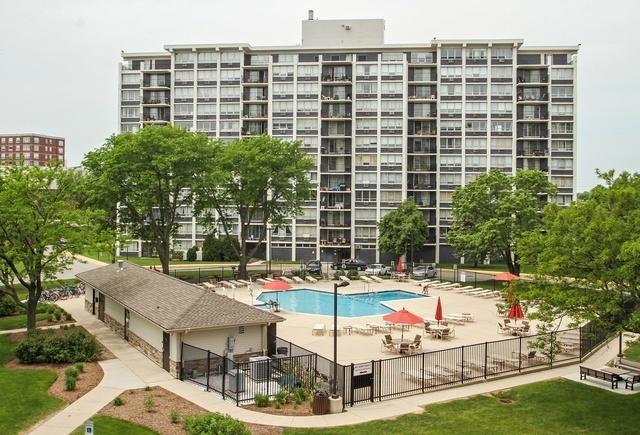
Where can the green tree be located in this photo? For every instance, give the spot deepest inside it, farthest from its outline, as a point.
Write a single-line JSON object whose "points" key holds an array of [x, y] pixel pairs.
{"points": [[405, 226], [41, 226], [588, 257], [491, 213], [150, 174], [250, 182], [220, 249]]}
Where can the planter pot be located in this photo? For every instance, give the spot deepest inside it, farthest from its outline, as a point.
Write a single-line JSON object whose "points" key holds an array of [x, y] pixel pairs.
{"points": [[335, 405]]}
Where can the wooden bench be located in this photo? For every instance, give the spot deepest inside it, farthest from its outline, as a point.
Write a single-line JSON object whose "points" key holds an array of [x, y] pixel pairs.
{"points": [[609, 377], [634, 376], [631, 379]]}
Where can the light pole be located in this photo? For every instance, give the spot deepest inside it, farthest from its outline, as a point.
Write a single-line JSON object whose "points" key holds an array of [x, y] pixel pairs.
{"points": [[334, 392], [269, 230]]}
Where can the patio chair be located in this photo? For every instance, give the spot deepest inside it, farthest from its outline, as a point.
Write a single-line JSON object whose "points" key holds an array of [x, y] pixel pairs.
{"points": [[503, 329], [345, 279], [319, 329], [507, 322], [417, 343], [404, 348], [388, 338], [447, 333], [388, 347]]}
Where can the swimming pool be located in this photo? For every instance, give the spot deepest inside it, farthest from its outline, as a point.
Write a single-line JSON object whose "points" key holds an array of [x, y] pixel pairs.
{"points": [[352, 305]]}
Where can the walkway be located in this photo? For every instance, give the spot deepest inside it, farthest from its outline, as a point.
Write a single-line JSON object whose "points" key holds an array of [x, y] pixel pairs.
{"points": [[149, 373], [13, 331]]}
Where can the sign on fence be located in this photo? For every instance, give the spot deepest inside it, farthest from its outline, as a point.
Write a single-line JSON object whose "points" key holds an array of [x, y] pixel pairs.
{"points": [[363, 368]]}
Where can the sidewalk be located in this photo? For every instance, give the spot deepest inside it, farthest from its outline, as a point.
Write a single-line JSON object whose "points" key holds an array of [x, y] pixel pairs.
{"points": [[151, 374], [12, 331]]}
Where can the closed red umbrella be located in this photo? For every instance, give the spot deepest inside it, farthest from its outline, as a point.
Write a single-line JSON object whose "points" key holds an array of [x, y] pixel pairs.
{"points": [[439, 315], [515, 312], [403, 317], [400, 265]]}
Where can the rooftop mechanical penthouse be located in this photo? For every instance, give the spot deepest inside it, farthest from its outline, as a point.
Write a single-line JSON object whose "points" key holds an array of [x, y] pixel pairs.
{"points": [[383, 122]]}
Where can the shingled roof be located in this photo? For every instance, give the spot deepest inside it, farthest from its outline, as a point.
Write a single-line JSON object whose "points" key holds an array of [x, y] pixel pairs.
{"points": [[170, 303]]}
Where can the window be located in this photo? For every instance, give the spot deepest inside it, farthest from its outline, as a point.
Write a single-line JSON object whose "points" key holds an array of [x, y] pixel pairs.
{"points": [[450, 108], [208, 75], [562, 109], [282, 124], [366, 141], [307, 105], [390, 178], [309, 141], [308, 71], [184, 76], [130, 79], [308, 88], [501, 126], [391, 69], [476, 72], [423, 75], [503, 108], [131, 95], [188, 57], [566, 182], [390, 196], [391, 88], [367, 70], [210, 92], [305, 231], [392, 57], [562, 91], [450, 179], [208, 57], [229, 126], [231, 57], [206, 126], [564, 199], [562, 127], [368, 105], [230, 92], [502, 53], [561, 73], [475, 161], [477, 53], [451, 161], [282, 89], [563, 164], [475, 126], [284, 106], [390, 159], [475, 108], [183, 109], [476, 90], [422, 57], [129, 128], [391, 142], [501, 143], [451, 90], [286, 58], [206, 109], [471, 176], [183, 92], [366, 124], [130, 112], [365, 214], [230, 75], [501, 90], [366, 195], [283, 71], [501, 161], [366, 88], [475, 143], [391, 124], [451, 72], [366, 160], [562, 145], [451, 53], [307, 124], [501, 72], [451, 126], [229, 109], [366, 178]]}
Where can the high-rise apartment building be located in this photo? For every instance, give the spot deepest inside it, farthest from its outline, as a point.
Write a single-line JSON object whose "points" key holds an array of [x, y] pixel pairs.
{"points": [[383, 122], [31, 148]]}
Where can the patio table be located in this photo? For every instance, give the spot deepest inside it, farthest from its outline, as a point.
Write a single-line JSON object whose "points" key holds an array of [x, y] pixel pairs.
{"points": [[347, 329], [615, 370], [438, 328]]}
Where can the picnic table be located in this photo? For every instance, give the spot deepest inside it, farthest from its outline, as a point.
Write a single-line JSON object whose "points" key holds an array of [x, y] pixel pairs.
{"points": [[615, 370]]}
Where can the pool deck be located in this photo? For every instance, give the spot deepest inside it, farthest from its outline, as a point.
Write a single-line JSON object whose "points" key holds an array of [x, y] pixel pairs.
{"points": [[358, 348]]}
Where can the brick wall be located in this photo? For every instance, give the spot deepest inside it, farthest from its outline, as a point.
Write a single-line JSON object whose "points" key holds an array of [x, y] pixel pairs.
{"points": [[115, 326], [87, 305]]}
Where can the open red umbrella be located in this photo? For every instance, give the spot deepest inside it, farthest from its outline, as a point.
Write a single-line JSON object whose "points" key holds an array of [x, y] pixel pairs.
{"points": [[403, 317], [506, 276], [439, 315], [515, 312], [278, 286], [400, 265]]}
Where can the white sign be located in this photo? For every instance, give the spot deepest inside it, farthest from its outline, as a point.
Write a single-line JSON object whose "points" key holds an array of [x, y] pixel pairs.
{"points": [[362, 369], [88, 427], [463, 277]]}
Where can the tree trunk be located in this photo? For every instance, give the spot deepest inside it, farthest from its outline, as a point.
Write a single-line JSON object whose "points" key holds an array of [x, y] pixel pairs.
{"points": [[242, 267], [32, 304], [510, 263], [163, 255]]}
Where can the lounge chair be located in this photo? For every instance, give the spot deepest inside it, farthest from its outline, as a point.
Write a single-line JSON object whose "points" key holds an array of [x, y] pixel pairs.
{"points": [[377, 279], [344, 278], [298, 280], [311, 279], [285, 279], [269, 279], [364, 330], [530, 358], [418, 376], [365, 279], [503, 329], [319, 329], [388, 347], [417, 343], [261, 281], [446, 333], [404, 348], [242, 281]]}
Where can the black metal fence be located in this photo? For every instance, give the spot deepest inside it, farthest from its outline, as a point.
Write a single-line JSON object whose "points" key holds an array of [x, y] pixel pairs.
{"points": [[295, 366], [207, 274]]}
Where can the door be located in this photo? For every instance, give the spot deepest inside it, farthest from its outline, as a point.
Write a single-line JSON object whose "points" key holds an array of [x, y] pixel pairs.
{"points": [[101, 307], [271, 339], [126, 324], [93, 301], [165, 350]]}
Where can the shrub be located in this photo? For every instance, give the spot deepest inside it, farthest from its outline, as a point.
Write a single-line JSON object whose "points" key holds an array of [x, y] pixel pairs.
{"points": [[57, 315], [149, 403], [337, 274], [51, 308], [353, 274], [68, 317], [214, 424], [8, 306], [192, 253], [261, 400], [69, 346], [282, 396], [174, 416], [50, 318], [276, 405], [79, 368], [219, 249], [71, 372], [147, 388], [70, 383], [118, 401], [300, 393]]}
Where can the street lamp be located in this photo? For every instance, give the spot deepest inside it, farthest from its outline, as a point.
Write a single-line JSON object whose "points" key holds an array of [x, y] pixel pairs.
{"points": [[269, 230], [334, 392]]}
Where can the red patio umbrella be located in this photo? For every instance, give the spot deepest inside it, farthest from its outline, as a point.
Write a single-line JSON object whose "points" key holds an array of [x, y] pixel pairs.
{"points": [[515, 312], [403, 317], [400, 265], [278, 286], [506, 276], [439, 315]]}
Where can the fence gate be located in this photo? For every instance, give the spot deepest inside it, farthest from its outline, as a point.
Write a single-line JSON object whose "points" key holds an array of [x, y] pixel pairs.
{"points": [[361, 383]]}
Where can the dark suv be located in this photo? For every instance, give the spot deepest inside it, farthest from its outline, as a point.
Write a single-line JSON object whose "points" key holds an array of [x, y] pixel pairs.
{"points": [[314, 266], [351, 263]]}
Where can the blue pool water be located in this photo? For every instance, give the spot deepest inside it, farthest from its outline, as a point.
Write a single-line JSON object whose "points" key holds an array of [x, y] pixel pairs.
{"points": [[353, 305]]}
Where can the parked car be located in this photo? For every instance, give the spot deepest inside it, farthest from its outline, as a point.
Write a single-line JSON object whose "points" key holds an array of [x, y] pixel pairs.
{"points": [[376, 269], [424, 271], [351, 263], [314, 266]]}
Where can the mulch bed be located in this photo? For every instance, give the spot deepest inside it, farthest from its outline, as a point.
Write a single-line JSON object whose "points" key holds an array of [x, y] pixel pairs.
{"points": [[158, 419], [303, 409]]}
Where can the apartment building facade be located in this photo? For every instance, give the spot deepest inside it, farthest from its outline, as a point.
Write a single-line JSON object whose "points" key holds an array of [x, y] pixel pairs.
{"points": [[382, 122], [32, 148]]}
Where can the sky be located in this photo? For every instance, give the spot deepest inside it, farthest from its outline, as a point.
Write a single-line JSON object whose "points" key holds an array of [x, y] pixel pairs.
{"points": [[59, 58]]}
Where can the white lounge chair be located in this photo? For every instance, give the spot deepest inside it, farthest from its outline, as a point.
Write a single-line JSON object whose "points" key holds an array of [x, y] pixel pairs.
{"points": [[418, 376], [269, 279], [319, 329], [261, 281], [377, 279], [242, 281], [311, 279], [344, 278], [298, 280], [366, 279], [285, 279]]}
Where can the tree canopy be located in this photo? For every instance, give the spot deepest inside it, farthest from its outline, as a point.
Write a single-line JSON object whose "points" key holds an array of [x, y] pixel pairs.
{"points": [[404, 226], [253, 181], [150, 174], [491, 213], [41, 226], [588, 257]]}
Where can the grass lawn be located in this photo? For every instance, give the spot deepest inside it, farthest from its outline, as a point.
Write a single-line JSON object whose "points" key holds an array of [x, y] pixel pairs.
{"points": [[104, 425], [25, 399], [23, 294], [552, 407], [19, 321], [633, 351]]}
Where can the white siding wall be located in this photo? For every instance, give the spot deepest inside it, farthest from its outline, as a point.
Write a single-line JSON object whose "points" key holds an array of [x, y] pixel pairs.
{"points": [[88, 294], [146, 330], [114, 310], [252, 340]]}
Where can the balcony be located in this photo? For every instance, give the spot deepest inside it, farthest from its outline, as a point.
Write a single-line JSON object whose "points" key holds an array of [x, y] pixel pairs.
{"points": [[255, 77], [422, 58], [157, 101], [539, 96], [260, 97], [337, 74]]}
